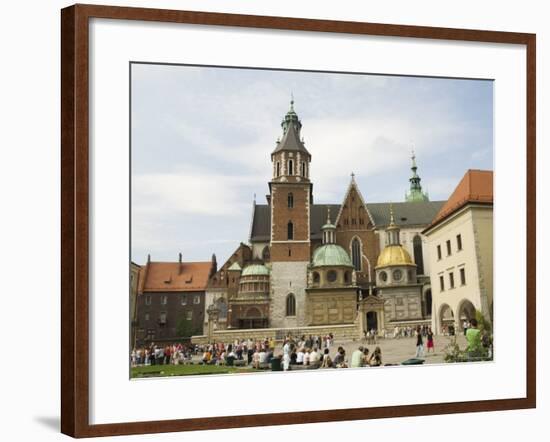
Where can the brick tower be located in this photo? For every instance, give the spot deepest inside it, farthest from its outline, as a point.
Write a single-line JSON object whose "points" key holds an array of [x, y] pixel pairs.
{"points": [[290, 200]]}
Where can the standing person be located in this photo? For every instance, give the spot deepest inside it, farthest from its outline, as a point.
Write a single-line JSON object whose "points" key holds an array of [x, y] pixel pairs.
{"points": [[465, 326], [286, 361], [419, 343], [473, 336], [430, 337]]}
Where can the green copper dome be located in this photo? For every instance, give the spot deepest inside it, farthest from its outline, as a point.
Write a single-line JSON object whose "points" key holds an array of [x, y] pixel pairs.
{"points": [[255, 270], [331, 255]]}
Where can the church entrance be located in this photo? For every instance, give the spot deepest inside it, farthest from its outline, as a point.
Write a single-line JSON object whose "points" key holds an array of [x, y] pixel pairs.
{"points": [[372, 321]]}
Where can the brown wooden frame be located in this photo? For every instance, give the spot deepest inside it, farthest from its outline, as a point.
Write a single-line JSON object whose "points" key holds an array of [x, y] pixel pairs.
{"points": [[74, 219]]}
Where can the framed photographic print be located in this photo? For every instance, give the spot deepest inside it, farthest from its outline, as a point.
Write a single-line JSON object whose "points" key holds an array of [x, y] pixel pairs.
{"points": [[255, 208]]}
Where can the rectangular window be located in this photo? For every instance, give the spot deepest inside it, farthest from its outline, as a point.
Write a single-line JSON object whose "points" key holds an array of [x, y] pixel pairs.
{"points": [[164, 299], [197, 299], [452, 280], [189, 315], [462, 276], [162, 318], [439, 252], [441, 283], [459, 242], [147, 299], [147, 316], [448, 247], [183, 300]]}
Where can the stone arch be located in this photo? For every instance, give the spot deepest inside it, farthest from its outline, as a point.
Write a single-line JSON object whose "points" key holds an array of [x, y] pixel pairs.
{"points": [[465, 312], [446, 318], [253, 312]]}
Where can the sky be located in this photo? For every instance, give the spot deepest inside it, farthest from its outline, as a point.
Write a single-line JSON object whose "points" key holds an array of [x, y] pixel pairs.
{"points": [[202, 139]]}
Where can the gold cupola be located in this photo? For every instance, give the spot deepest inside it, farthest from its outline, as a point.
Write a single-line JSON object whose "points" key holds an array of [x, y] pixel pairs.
{"points": [[394, 254]]}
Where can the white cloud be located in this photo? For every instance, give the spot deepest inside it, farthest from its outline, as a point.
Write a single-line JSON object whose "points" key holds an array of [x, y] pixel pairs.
{"points": [[189, 191]]}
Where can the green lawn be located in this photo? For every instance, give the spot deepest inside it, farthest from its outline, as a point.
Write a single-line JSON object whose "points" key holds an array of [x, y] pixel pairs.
{"points": [[184, 370]]}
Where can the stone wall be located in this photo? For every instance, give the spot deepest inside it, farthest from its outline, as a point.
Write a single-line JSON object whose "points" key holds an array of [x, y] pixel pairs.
{"points": [[340, 332], [286, 278]]}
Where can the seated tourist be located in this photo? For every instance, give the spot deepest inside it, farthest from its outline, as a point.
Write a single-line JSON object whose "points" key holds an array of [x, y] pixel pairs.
{"points": [[357, 358], [375, 359], [340, 358], [300, 357], [365, 362], [263, 356], [314, 356], [307, 356], [327, 361]]}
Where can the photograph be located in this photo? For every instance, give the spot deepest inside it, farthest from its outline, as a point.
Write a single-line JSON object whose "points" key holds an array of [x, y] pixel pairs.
{"points": [[301, 220]]}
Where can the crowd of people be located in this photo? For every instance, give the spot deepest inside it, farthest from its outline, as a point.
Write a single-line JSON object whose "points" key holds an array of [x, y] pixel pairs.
{"points": [[305, 351], [162, 355]]}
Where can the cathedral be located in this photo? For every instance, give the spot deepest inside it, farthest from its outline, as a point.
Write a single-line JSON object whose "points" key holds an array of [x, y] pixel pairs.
{"points": [[345, 268]]}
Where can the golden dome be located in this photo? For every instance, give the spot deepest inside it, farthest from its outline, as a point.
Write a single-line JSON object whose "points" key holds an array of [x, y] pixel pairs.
{"points": [[394, 255]]}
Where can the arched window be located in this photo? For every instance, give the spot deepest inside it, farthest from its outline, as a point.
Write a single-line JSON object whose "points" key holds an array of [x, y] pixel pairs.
{"points": [[278, 169], [266, 255], [356, 254], [303, 169], [347, 277], [290, 200], [418, 256], [316, 278], [290, 230], [290, 167], [291, 305]]}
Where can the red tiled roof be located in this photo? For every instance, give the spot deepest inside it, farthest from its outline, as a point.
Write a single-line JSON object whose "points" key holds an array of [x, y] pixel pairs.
{"points": [[174, 276], [475, 187]]}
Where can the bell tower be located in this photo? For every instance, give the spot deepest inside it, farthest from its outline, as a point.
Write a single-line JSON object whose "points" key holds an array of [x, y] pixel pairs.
{"points": [[290, 200], [290, 193]]}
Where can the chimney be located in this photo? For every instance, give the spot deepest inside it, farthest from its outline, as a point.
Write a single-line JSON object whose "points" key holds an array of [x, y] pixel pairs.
{"points": [[181, 264]]}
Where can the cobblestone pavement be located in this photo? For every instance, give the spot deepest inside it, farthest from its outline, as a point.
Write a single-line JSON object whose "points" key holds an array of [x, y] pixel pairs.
{"points": [[395, 351]]}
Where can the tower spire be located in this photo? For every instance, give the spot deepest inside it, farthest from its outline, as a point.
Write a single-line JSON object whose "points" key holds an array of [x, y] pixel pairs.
{"points": [[329, 230], [415, 193], [392, 231]]}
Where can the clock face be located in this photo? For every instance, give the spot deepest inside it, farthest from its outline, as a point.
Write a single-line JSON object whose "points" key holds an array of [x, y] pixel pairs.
{"points": [[383, 276], [397, 275]]}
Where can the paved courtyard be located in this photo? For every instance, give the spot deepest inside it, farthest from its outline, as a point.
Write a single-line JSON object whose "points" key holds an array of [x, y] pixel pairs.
{"points": [[395, 351]]}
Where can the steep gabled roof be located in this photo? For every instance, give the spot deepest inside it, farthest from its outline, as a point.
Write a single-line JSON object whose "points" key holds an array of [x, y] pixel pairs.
{"points": [[476, 186], [353, 185], [175, 276]]}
